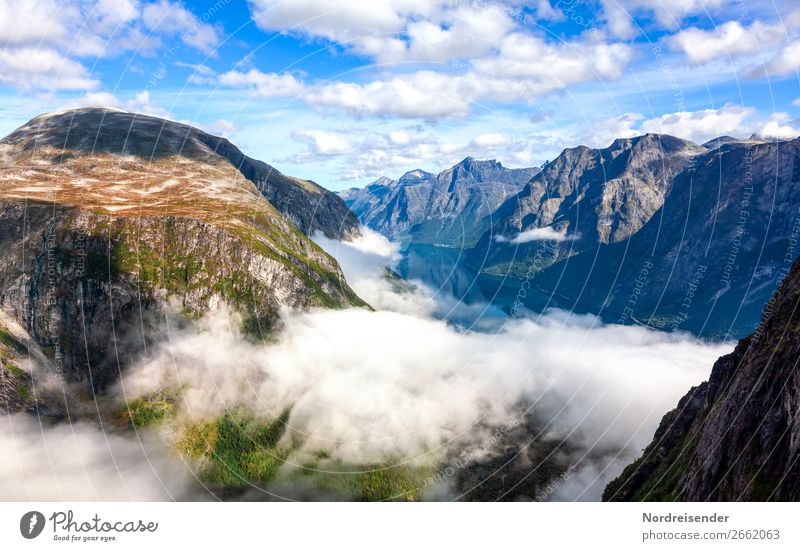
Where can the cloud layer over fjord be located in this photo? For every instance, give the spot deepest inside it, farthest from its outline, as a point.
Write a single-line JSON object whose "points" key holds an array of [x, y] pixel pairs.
{"points": [[77, 462], [393, 384], [370, 385]]}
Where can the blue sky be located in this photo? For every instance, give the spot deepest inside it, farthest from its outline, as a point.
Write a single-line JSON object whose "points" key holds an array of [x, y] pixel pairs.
{"points": [[343, 91]]}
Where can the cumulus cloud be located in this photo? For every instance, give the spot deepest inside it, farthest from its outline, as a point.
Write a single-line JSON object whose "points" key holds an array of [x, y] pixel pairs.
{"points": [[697, 126], [498, 60], [45, 41], [81, 462], [769, 48], [264, 85], [172, 18], [785, 62], [370, 153], [703, 125], [619, 14], [32, 67], [728, 39], [547, 233], [780, 125]]}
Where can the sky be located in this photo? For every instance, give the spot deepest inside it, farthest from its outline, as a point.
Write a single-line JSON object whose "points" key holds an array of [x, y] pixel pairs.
{"points": [[345, 91]]}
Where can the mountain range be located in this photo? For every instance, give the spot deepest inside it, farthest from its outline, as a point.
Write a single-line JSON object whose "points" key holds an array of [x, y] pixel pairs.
{"points": [[652, 230], [449, 209]]}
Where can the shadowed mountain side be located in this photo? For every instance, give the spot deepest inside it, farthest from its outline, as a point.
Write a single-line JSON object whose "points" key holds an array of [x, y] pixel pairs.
{"points": [[737, 436], [707, 261]]}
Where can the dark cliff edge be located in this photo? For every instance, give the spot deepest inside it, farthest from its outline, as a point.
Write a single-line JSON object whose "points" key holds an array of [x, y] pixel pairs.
{"points": [[735, 437]]}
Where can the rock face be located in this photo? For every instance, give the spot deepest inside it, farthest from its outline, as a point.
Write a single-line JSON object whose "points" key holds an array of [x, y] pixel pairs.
{"points": [[19, 389], [589, 196], [107, 221], [450, 209], [737, 436], [708, 260]]}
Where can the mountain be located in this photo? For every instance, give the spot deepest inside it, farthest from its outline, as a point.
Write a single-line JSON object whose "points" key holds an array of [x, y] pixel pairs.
{"points": [[110, 220], [585, 197], [448, 209], [736, 436], [707, 261], [308, 205]]}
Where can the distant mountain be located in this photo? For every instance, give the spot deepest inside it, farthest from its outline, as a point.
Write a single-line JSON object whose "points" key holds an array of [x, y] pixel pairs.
{"points": [[584, 198], [735, 437], [707, 261], [449, 209], [106, 217]]}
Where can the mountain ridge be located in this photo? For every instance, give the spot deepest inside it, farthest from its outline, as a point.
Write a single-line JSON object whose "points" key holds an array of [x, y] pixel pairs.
{"points": [[443, 209]]}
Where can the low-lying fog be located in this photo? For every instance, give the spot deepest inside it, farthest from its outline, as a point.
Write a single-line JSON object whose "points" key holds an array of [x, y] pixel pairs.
{"points": [[397, 382]]}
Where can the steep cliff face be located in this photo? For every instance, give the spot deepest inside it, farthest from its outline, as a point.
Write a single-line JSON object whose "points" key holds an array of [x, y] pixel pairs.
{"points": [[450, 209], [589, 196], [19, 389], [737, 436], [101, 231]]}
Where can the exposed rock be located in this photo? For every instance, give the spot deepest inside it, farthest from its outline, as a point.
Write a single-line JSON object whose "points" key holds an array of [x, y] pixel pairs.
{"points": [[591, 196], [708, 260], [449, 209], [737, 436]]}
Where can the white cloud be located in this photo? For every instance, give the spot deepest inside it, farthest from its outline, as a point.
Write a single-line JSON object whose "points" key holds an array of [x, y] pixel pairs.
{"points": [[669, 14], [425, 94], [604, 131], [32, 67], [552, 67], [30, 23], [618, 20], [780, 125], [45, 41], [785, 62], [324, 143], [221, 127], [368, 153], [546, 12], [264, 85], [172, 18], [80, 462], [728, 39], [362, 385], [536, 234], [703, 125], [499, 60], [466, 32], [140, 103], [490, 139], [697, 126]]}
